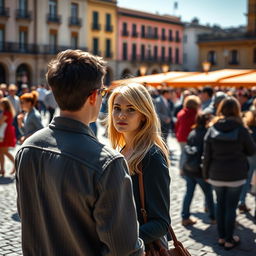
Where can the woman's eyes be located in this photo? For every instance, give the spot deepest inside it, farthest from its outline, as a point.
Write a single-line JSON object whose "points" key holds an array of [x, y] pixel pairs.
{"points": [[128, 109], [116, 108], [131, 109]]}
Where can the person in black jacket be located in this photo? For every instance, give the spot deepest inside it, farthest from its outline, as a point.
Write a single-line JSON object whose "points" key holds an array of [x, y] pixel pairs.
{"points": [[225, 165], [193, 171], [134, 128]]}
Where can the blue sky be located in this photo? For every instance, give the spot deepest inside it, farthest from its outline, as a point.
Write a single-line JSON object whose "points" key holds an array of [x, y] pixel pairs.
{"points": [[226, 13]]}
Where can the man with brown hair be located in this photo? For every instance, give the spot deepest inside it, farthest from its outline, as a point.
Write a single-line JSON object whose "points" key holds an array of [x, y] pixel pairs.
{"points": [[75, 194]]}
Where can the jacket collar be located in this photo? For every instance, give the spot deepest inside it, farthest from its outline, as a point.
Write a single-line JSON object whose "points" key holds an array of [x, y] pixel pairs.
{"points": [[71, 125]]}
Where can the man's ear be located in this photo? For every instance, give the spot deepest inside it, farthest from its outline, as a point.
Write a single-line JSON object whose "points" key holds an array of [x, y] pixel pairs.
{"points": [[93, 97]]}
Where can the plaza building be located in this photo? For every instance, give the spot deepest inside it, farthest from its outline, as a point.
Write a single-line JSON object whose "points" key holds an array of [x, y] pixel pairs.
{"points": [[234, 49], [33, 31], [102, 33], [192, 31], [148, 41]]}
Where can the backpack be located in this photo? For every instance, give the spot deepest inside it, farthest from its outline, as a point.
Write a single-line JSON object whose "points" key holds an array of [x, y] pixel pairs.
{"points": [[192, 159]]}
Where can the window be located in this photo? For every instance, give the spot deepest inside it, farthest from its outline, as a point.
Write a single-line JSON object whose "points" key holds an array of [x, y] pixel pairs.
{"points": [[142, 51], [177, 56], [134, 51], [23, 38], [74, 10], [2, 38], [134, 30], [2, 4], [177, 36], [163, 53], [74, 40], [95, 21], [53, 8], [149, 53], [211, 57], [108, 48], [95, 43], [163, 34], [53, 41], [155, 52], [149, 32], [156, 33], [143, 34], [124, 51], [125, 31], [108, 23], [170, 35], [23, 5], [234, 57], [170, 54]]}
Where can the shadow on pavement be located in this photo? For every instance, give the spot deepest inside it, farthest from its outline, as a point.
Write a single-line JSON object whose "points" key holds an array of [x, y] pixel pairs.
{"points": [[16, 217], [208, 237], [6, 180]]}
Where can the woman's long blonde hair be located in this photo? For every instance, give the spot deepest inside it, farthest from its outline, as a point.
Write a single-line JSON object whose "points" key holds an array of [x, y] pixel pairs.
{"points": [[150, 132]]}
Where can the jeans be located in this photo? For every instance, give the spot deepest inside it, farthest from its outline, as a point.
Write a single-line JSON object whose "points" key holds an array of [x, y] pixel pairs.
{"points": [[246, 186], [227, 201], [207, 190], [182, 154]]}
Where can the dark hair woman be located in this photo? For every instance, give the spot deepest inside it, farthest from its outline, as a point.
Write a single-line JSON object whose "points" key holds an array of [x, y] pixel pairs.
{"points": [[225, 166]]}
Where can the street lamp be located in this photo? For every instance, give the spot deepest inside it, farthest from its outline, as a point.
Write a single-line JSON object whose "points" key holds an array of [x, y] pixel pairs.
{"points": [[143, 70], [165, 68], [206, 66]]}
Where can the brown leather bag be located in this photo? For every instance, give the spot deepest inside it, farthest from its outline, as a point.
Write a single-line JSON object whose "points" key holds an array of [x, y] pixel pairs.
{"points": [[156, 248]]}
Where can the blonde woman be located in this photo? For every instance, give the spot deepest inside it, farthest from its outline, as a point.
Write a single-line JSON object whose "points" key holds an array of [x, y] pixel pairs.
{"points": [[134, 129]]}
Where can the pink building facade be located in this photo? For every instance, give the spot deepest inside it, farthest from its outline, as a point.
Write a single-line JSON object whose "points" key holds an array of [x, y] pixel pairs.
{"points": [[148, 40]]}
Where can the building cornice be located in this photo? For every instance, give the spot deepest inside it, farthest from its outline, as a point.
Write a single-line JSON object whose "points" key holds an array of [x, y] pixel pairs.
{"points": [[149, 16]]}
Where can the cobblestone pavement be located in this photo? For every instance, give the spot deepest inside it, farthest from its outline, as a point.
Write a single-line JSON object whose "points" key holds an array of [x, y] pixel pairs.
{"points": [[200, 239]]}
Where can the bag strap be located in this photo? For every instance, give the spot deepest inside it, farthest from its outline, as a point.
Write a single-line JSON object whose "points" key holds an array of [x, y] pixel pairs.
{"points": [[143, 209]]}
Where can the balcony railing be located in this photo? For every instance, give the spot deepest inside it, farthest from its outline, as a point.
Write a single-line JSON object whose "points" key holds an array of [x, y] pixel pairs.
{"points": [[75, 21], [234, 62], [178, 40], [154, 59], [96, 26], [23, 14], [53, 18], [170, 38], [10, 47], [4, 12], [125, 33], [108, 28]]}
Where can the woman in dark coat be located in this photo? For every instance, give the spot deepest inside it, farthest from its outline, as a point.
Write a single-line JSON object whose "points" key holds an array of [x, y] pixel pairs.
{"points": [[193, 172], [225, 165]]}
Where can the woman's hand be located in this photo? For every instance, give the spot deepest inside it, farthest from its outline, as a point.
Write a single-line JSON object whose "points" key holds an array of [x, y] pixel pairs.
{"points": [[20, 119]]}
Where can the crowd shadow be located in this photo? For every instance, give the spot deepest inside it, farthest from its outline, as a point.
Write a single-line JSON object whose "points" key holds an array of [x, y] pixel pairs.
{"points": [[6, 180]]}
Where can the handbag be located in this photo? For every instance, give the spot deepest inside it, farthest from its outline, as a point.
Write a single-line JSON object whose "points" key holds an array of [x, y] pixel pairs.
{"points": [[156, 248]]}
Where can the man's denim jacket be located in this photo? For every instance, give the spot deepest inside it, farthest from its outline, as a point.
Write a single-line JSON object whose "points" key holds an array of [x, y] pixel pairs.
{"points": [[74, 195]]}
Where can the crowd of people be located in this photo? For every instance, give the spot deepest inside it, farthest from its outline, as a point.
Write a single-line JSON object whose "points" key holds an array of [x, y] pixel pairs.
{"points": [[21, 114], [82, 196]]}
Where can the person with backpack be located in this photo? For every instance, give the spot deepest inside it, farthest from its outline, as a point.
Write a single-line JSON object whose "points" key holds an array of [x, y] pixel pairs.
{"points": [[192, 169]]}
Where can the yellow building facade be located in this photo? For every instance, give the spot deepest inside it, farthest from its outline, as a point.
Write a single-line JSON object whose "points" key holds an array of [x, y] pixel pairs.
{"points": [[231, 50], [102, 31]]}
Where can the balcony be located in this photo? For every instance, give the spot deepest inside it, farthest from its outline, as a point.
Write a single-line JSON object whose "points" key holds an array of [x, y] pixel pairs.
{"points": [[125, 33], [96, 26], [53, 18], [170, 39], [109, 28], [178, 40], [234, 62], [10, 47], [22, 14], [4, 12], [135, 34], [75, 21]]}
